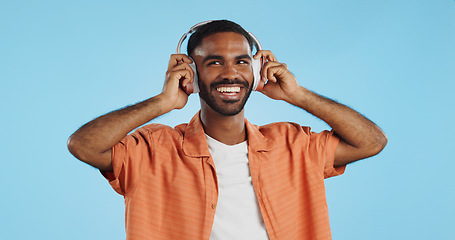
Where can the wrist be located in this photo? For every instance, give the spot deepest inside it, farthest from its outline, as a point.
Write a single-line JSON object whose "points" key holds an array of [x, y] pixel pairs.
{"points": [[164, 103], [298, 96]]}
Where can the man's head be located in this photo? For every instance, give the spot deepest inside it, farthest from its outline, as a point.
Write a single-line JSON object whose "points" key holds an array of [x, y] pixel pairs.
{"points": [[223, 60]]}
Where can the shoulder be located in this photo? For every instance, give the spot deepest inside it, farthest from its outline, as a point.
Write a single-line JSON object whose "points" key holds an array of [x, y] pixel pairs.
{"points": [[293, 132], [283, 129], [277, 134], [156, 130]]}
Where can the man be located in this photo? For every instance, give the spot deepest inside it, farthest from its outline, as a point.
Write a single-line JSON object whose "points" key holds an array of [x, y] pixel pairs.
{"points": [[220, 177]]}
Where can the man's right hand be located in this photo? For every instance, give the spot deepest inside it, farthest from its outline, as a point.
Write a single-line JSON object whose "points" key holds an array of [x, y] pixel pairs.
{"points": [[178, 75]]}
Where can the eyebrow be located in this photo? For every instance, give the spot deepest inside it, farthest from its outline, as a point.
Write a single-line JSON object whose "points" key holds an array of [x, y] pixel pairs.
{"points": [[218, 57], [243, 56], [212, 57]]}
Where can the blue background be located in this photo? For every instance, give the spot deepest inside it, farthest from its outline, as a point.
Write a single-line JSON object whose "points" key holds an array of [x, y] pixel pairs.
{"points": [[63, 63]]}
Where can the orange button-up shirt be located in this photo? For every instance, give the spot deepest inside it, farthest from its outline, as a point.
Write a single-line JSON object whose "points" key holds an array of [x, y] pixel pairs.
{"points": [[168, 179]]}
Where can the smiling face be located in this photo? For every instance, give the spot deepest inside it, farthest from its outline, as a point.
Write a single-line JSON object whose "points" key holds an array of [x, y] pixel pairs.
{"points": [[225, 74]]}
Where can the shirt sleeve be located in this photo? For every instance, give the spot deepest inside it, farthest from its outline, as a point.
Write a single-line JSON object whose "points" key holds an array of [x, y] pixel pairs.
{"points": [[322, 147], [130, 158]]}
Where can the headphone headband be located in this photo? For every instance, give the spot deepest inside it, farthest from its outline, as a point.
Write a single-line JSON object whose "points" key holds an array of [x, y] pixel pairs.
{"points": [[256, 42]]}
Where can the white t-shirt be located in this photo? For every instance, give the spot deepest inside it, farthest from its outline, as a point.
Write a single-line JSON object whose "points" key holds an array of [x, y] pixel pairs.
{"points": [[237, 215]]}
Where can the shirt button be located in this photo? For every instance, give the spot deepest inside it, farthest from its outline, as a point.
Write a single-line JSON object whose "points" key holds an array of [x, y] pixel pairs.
{"points": [[213, 205]]}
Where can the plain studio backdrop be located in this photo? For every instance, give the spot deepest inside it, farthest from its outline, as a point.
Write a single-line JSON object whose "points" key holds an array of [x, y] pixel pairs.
{"points": [[63, 63]]}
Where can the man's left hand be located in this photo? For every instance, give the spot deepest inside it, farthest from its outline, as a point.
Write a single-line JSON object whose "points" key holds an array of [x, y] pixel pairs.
{"points": [[280, 83]]}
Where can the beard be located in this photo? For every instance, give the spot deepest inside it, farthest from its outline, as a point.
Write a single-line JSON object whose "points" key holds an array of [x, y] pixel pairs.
{"points": [[225, 107]]}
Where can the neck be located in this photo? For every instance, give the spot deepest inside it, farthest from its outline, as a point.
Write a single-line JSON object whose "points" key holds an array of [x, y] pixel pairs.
{"points": [[229, 130]]}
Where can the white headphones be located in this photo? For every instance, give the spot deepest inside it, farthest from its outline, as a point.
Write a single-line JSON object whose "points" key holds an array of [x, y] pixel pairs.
{"points": [[256, 63]]}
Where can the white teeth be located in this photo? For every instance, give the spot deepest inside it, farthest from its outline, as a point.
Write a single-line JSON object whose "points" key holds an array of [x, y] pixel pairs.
{"points": [[228, 89]]}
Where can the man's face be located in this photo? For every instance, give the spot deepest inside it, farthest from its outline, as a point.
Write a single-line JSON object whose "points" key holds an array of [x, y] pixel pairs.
{"points": [[223, 63]]}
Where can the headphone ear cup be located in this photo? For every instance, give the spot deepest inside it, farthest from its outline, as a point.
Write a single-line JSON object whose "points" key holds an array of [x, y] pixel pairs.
{"points": [[192, 87], [258, 84], [196, 78]]}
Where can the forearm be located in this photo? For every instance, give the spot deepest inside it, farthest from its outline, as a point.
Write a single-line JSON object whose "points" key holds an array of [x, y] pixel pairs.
{"points": [[364, 137], [92, 143], [346, 122]]}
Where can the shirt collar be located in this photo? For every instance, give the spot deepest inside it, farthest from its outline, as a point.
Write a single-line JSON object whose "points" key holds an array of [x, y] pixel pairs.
{"points": [[195, 143]]}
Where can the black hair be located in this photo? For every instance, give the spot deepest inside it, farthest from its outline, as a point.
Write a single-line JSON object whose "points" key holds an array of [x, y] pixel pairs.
{"points": [[213, 27]]}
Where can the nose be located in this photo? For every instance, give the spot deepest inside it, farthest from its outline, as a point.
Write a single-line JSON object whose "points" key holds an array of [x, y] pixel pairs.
{"points": [[229, 72]]}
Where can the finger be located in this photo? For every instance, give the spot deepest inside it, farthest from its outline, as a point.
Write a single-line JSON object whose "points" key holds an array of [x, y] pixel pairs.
{"points": [[185, 77], [179, 77], [266, 71], [266, 54], [271, 74], [184, 66], [177, 59], [279, 71]]}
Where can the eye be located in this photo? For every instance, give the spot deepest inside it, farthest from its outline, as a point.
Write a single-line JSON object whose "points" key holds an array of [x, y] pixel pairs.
{"points": [[242, 62], [214, 63]]}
